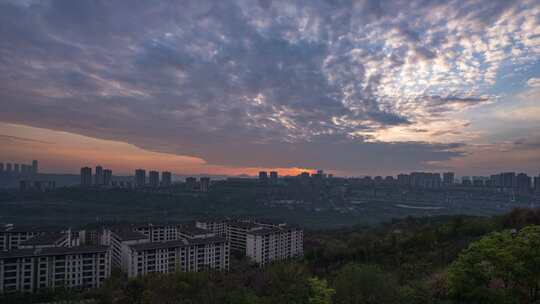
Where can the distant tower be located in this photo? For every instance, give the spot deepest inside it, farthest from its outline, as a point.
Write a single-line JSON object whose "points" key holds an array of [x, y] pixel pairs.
{"points": [[16, 169], [99, 176], [86, 177], [166, 179], [190, 183], [205, 184], [263, 176], [35, 167], [273, 176], [107, 177], [8, 167], [1, 167], [448, 178], [153, 177], [140, 178]]}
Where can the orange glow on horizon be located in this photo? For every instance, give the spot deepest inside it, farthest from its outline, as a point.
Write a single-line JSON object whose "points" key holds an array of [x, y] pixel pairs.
{"points": [[63, 152]]}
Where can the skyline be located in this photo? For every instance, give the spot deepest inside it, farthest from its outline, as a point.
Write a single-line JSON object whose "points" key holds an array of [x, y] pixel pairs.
{"points": [[239, 87]]}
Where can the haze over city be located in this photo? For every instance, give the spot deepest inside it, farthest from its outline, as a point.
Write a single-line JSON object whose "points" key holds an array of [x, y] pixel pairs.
{"points": [[354, 87]]}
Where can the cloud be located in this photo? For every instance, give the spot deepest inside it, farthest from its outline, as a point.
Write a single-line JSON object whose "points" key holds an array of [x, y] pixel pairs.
{"points": [[534, 82], [246, 83]]}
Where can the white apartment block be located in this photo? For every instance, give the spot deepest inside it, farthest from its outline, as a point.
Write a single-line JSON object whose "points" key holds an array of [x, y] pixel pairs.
{"points": [[47, 240], [189, 255], [272, 244], [27, 270], [194, 232], [218, 226], [120, 242], [237, 234], [11, 237]]}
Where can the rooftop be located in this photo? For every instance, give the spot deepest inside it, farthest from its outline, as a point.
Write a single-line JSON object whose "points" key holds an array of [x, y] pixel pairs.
{"points": [[176, 243], [245, 225], [18, 253], [128, 235], [45, 239], [192, 230]]}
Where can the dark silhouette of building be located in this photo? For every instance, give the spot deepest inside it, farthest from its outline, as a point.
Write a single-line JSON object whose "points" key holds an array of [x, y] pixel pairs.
{"points": [[205, 184], [98, 181], [107, 177], [86, 177], [263, 176], [523, 182], [448, 178], [166, 179], [273, 176], [191, 182], [508, 180], [403, 179], [153, 178], [35, 169], [140, 178]]}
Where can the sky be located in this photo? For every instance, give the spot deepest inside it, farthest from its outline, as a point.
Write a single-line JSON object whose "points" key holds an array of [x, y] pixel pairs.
{"points": [[229, 87]]}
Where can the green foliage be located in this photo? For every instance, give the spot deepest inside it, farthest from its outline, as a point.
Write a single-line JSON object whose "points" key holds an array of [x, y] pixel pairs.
{"points": [[364, 284], [319, 293], [499, 268]]}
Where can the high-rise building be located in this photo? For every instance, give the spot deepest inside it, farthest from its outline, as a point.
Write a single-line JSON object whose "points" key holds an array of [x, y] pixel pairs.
{"points": [[153, 177], [35, 167], [99, 176], [30, 270], [523, 182], [107, 177], [1, 167], [537, 184], [263, 176], [16, 168], [166, 179], [205, 184], [273, 176], [86, 177], [190, 183], [508, 179], [8, 167], [448, 178], [403, 179], [140, 178], [495, 180]]}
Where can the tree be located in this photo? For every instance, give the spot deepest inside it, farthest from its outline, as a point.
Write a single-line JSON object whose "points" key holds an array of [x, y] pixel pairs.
{"points": [[319, 293], [364, 284], [499, 268]]}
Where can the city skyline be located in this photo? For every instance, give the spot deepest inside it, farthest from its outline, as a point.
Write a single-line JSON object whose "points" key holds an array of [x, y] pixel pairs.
{"points": [[240, 87]]}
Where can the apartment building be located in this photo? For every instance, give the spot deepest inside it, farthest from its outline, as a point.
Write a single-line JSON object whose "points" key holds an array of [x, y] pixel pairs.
{"points": [[27, 270], [159, 233], [189, 255], [218, 226], [11, 236], [119, 242], [46, 240], [194, 232], [237, 234], [272, 244]]}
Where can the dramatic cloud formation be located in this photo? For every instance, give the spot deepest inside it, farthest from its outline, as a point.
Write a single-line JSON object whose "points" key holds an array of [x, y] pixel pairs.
{"points": [[353, 86]]}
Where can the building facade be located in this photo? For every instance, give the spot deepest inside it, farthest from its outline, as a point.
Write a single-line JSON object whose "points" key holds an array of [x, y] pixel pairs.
{"points": [[28, 270], [191, 255]]}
